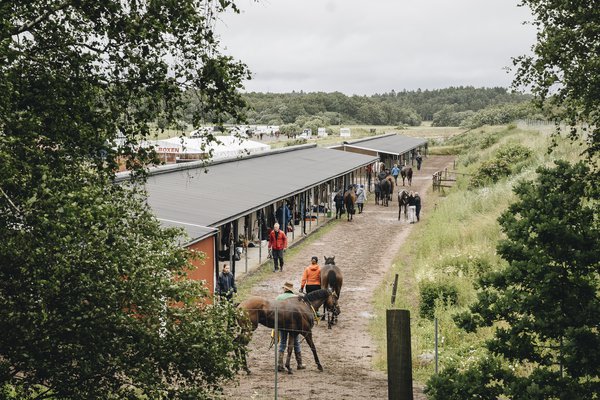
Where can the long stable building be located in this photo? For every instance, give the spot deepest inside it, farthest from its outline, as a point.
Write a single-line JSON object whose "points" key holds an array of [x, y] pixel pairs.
{"points": [[233, 203], [390, 149]]}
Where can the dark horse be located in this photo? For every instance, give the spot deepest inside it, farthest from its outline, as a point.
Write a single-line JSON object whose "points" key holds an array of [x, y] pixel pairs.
{"points": [[295, 315], [331, 278], [406, 173], [349, 201], [403, 204], [386, 189]]}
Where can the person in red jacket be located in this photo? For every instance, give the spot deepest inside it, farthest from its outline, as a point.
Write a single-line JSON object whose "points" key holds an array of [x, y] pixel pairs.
{"points": [[277, 243], [311, 278]]}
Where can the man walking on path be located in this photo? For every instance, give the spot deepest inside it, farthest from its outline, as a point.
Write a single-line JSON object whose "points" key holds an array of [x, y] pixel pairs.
{"points": [[395, 172], [277, 243]]}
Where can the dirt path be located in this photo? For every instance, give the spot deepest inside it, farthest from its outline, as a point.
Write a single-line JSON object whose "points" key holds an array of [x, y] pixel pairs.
{"points": [[364, 249]]}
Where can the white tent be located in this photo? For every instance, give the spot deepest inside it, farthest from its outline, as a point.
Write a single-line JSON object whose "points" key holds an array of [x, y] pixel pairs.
{"points": [[196, 148]]}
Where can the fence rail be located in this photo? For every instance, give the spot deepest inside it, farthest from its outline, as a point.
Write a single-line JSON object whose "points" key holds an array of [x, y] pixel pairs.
{"points": [[445, 179]]}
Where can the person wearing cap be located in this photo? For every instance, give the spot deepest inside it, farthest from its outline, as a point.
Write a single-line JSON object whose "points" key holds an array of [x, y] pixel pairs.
{"points": [[288, 291], [311, 277]]}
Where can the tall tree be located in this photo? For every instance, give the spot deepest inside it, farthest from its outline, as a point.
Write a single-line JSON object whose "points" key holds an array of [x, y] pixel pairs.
{"points": [[93, 303], [546, 300], [564, 69]]}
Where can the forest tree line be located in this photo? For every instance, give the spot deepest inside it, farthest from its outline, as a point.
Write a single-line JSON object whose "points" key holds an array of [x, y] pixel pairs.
{"points": [[454, 106]]}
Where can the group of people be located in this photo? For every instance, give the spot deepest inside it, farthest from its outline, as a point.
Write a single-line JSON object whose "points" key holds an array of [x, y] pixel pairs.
{"points": [[361, 197], [414, 206], [311, 281]]}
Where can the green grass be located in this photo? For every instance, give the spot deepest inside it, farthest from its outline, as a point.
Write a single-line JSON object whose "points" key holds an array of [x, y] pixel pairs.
{"points": [[454, 244]]}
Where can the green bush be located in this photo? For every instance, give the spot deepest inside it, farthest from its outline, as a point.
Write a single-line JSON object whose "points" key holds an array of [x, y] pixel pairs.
{"points": [[513, 153], [432, 291], [490, 171]]}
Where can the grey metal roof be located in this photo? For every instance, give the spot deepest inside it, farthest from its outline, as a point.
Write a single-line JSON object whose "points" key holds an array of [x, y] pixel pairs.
{"points": [[389, 144], [229, 190], [195, 232]]}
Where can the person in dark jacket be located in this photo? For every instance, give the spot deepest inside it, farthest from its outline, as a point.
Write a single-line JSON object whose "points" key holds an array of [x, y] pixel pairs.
{"points": [[419, 159], [284, 216], [417, 201], [339, 203], [226, 283]]}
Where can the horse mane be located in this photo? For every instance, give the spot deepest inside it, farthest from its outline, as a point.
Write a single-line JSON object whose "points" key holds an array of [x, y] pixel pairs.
{"points": [[317, 294]]}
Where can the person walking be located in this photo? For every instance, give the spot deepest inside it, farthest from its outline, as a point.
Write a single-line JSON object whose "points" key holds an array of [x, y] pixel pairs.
{"points": [[417, 200], [411, 208], [226, 283], [277, 243], [284, 216], [339, 204], [361, 196], [395, 172], [288, 291], [311, 277], [419, 159]]}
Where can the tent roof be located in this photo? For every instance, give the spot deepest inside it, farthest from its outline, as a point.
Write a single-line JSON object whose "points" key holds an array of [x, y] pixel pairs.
{"points": [[229, 146]]}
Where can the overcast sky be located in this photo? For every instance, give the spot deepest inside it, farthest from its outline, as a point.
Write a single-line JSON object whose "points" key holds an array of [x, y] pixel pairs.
{"points": [[367, 47]]}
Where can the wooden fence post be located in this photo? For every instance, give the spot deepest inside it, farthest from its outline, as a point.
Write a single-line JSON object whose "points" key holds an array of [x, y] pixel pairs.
{"points": [[399, 356]]}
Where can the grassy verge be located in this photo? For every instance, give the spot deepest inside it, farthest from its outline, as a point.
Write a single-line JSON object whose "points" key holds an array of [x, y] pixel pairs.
{"points": [[453, 245]]}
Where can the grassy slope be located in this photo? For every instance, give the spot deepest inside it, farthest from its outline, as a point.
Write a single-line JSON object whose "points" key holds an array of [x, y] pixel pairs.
{"points": [[457, 237]]}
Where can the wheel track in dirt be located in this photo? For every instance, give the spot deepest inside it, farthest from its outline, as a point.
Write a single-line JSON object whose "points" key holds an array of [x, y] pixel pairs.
{"points": [[364, 249]]}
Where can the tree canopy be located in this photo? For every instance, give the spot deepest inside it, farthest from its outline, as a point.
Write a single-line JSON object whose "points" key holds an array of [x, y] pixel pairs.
{"points": [[564, 69], [545, 303], [93, 300], [546, 299]]}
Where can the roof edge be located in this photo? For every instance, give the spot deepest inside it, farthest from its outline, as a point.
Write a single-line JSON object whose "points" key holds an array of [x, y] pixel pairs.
{"points": [[164, 169]]}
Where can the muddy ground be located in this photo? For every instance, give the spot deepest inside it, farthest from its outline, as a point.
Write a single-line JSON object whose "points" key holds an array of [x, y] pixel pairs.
{"points": [[364, 249]]}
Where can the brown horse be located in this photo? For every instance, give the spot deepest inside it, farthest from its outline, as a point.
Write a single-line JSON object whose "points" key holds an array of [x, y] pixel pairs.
{"points": [[296, 315], [350, 201], [407, 174], [331, 278], [403, 204]]}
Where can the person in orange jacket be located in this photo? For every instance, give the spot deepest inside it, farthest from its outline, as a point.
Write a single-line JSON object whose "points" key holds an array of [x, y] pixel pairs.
{"points": [[311, 277]]}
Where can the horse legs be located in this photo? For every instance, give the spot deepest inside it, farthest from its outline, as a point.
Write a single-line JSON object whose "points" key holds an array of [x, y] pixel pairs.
{"points": [[309, 340], [290, 346]]}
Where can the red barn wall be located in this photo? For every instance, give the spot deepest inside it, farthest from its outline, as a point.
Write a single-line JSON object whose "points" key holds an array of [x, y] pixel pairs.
{"points": [[205, 269]]}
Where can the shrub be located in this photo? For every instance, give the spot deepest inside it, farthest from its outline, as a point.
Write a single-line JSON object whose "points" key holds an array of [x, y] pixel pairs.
{"points": [[490, 171], [432, 291], [513, 153]]}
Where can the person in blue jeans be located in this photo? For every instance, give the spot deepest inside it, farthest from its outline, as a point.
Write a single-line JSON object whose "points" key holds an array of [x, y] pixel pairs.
{"points": [[288, 291], [395, 172]]}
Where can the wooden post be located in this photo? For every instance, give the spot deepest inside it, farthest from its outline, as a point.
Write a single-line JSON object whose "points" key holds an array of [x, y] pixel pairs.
{"points": [[394, 288], [399, 356]]}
